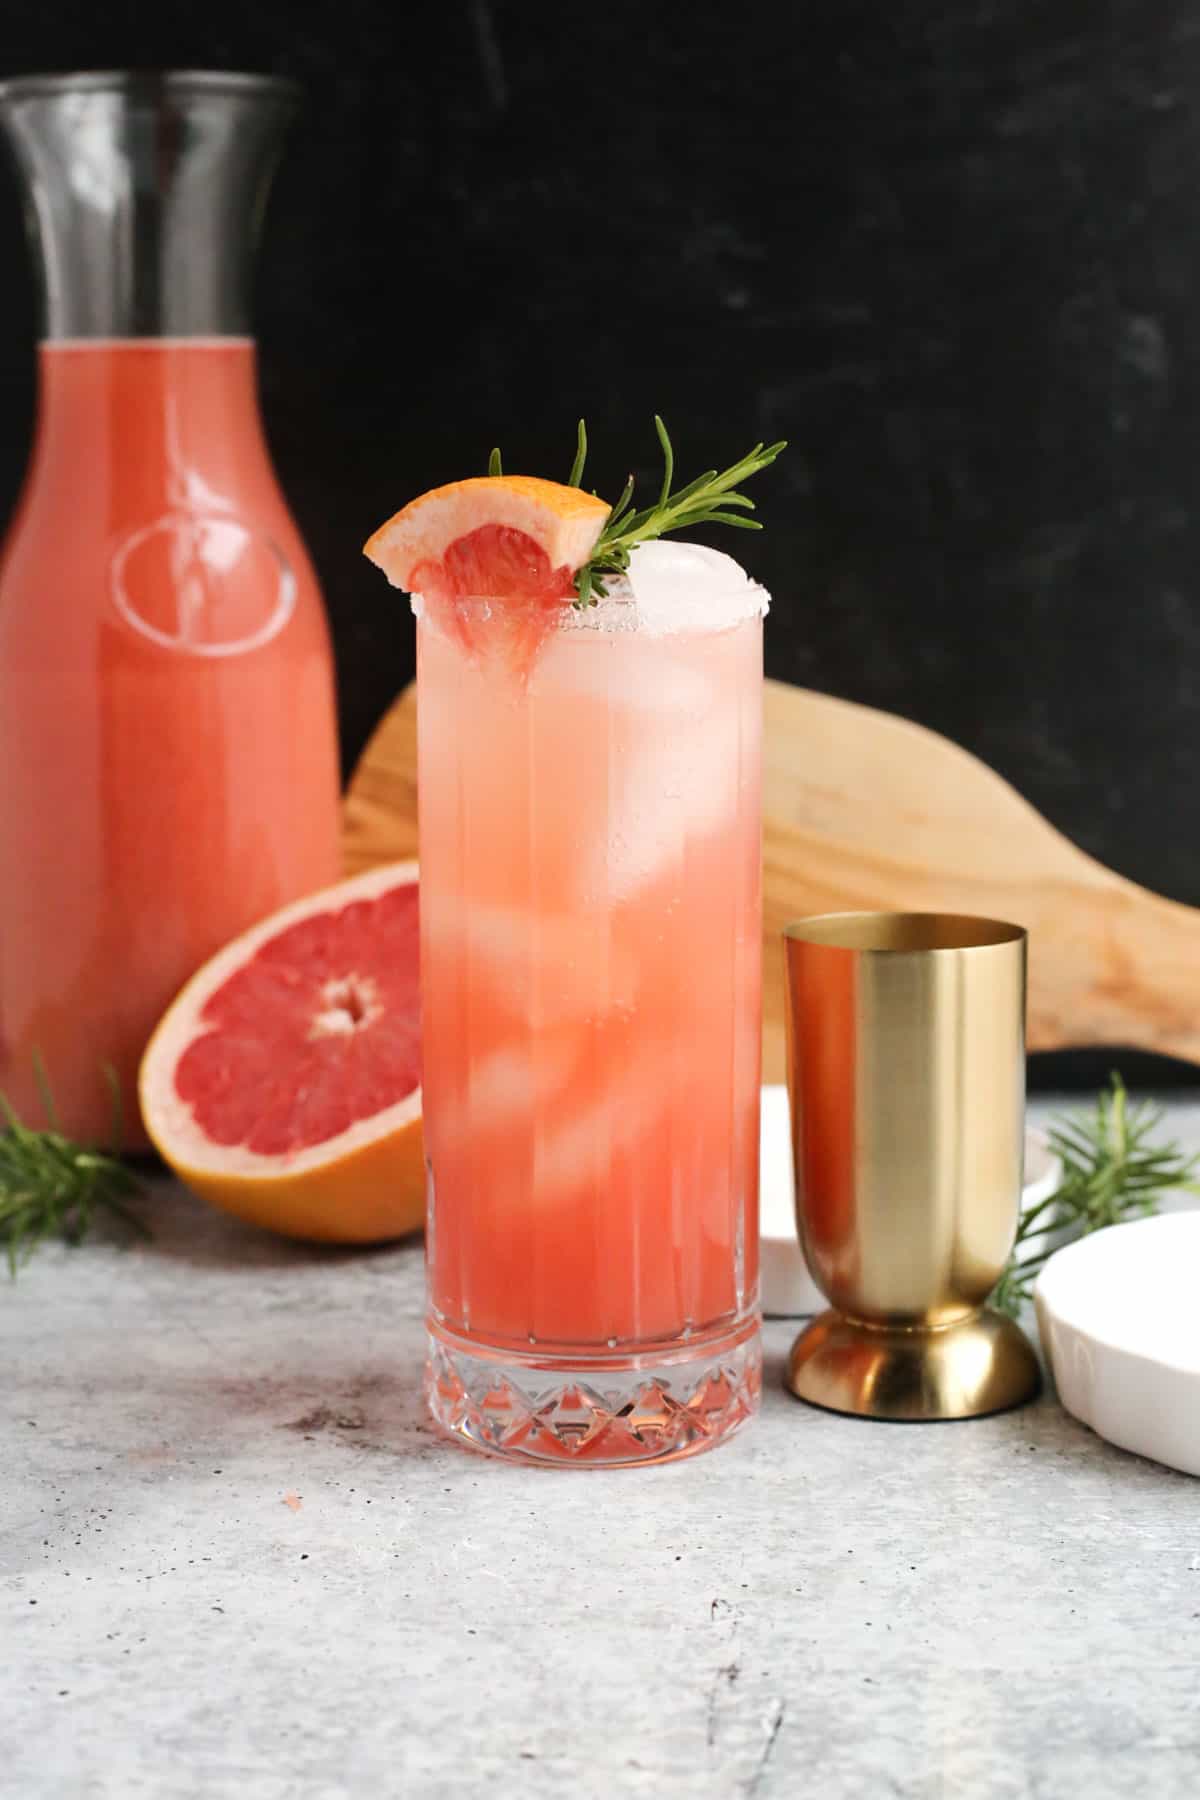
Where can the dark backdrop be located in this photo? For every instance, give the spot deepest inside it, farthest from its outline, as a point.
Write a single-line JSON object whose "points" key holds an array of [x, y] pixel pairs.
{"points": [[949, 250]]}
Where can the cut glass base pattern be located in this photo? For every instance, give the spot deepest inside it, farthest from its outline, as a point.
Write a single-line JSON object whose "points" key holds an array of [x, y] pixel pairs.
{"points": [[636, 1408]]}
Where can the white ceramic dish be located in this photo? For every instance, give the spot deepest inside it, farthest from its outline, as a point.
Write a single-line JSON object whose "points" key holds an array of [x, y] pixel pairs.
{"points": [[788, 1289], [1121, 1331]]}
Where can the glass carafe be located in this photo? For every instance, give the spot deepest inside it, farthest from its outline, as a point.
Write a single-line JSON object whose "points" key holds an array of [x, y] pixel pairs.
{"points": [[168, 762]]}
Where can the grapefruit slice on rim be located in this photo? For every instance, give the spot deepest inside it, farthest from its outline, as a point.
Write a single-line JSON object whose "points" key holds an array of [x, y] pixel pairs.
{"points": [[512, 539], [283, 1083]]}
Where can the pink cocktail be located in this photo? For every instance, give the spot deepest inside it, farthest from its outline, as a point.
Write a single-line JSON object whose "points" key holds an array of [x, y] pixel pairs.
{"points": [[591, 920]]}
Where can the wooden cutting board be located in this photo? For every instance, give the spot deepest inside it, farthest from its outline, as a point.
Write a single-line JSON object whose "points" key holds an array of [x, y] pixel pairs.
{"points": [[865, 810]]}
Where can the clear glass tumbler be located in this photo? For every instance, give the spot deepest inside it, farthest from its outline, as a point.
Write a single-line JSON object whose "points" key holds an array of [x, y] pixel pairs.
{"points": [[591, 976]]}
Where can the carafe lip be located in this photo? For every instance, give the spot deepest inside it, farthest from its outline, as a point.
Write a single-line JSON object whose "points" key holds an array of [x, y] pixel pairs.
{"points": [[170, 81], [158, 341]]}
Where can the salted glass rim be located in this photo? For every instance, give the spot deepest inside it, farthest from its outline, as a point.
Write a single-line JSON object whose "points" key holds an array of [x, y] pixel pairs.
{"points": [[582, 618]]}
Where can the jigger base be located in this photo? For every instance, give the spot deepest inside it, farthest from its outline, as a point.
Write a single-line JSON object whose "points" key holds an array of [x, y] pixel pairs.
{"points": [[981, 1364]]}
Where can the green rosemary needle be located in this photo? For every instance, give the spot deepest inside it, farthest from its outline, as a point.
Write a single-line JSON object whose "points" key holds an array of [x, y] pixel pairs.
{"points": [[1112, 1171], [53, 1188]]}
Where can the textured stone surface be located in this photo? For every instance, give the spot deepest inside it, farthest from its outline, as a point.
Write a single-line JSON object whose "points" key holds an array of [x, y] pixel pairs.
{"points": [[233, 1560]]}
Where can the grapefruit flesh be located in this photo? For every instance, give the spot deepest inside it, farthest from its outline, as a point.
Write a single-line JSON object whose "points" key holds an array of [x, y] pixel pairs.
{"points": [[284, 1081], [513, 541]]}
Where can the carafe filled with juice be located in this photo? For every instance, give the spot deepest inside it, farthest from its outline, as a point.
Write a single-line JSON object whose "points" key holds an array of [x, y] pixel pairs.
{"points": [[168, 763]]}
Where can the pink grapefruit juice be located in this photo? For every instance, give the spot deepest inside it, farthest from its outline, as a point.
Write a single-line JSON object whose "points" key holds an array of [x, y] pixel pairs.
{"points": [[590, 917], [167, 739]]}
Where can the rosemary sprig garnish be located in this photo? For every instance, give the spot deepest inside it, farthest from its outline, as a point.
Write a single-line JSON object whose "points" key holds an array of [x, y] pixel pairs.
{"points": [[1112, 1172], [711, 499], [51, 1187]]}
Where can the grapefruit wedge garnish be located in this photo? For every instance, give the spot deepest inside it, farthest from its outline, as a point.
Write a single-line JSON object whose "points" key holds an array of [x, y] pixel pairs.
{"points": [[513, 541], [283, 1083]]}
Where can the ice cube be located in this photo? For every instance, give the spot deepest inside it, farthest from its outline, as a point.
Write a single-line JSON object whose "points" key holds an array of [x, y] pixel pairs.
{"points": [[621, 1115], [668, 793], [618, 673], [508, 1081], [551, 969], [688, 587]]}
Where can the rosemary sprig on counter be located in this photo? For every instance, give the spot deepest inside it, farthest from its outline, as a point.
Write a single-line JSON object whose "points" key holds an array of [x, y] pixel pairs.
{"points": [[1112, 1171], [53, 1188]]}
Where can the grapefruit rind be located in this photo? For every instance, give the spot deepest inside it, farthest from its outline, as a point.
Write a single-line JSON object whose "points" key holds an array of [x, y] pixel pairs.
{"points": [[364, 1185], [563, 521]]}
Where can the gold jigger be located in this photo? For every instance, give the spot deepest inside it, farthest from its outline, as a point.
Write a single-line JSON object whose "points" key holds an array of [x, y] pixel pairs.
{"points": [[906, 1075]]}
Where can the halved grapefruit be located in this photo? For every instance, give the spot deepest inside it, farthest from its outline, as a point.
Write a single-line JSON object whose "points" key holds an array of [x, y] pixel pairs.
{"points": [[283, 1083], [510, 538]]}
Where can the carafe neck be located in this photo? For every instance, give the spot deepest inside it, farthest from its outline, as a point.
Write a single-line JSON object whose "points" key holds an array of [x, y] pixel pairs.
{"points": [[144, 194]]}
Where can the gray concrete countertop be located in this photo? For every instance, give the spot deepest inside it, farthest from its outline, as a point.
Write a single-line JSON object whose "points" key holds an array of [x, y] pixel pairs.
{"points": [[234, 1561]]}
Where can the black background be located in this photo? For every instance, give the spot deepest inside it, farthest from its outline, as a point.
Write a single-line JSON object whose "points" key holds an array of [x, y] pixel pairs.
{"points": [[950, 251]]}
